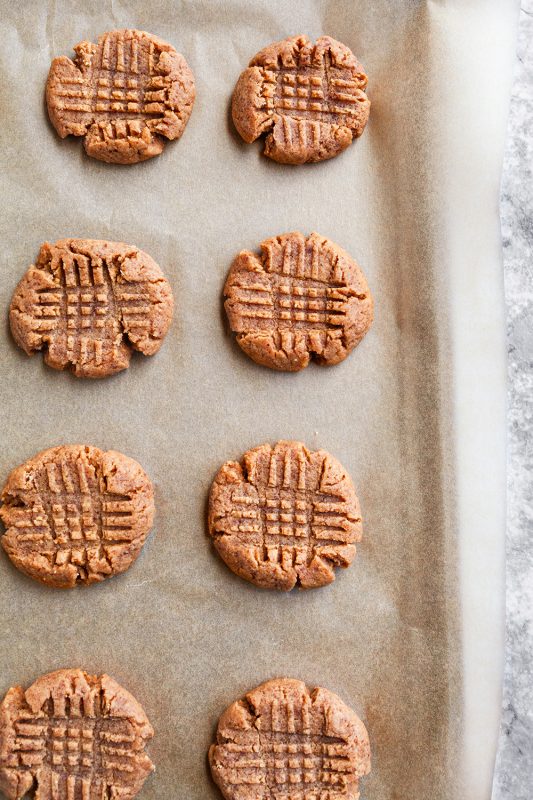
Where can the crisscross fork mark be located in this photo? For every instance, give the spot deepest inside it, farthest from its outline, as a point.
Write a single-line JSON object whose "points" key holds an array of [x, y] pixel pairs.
{"points": [[123, 82], [280, 509], [311, 307], [85, 308], [81, 306], [292, 753], [310, 93], [94, 516], [71, 514], [131, 96], [282, 523], [75, 748], [292, 526], [293, 304], [298, 293]]}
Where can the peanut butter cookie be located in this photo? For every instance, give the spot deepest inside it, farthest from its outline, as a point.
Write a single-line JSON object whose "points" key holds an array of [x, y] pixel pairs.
{"points": [[283, 740], [302, 298], [308, 98], [73, 736], [88, 304], [284, 516], [124, 95], [74, 514]]}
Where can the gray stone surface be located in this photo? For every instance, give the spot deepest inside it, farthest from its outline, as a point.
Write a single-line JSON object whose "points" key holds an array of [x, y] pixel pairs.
{"points": [[514, 769]]}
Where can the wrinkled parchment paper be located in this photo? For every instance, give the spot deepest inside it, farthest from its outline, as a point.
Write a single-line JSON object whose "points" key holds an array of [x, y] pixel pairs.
{"points": [[411, 634]]}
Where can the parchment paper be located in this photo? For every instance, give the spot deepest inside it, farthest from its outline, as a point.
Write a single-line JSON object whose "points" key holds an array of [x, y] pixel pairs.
{"points": [[411, 634]]}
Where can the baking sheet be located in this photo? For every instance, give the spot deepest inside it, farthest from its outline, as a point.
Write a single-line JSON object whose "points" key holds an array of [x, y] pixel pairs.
{"points": [[411, 634]]}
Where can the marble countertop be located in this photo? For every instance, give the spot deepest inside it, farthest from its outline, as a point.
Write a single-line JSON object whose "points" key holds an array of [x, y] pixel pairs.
{"points": [[514, 768]]}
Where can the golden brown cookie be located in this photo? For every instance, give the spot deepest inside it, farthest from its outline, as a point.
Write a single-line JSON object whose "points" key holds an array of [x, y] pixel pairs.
{"points": [[89, 304], [285, 741], [73, 736], [125, 95], [302, 298], [308, 98], [284, 516], [75, 514]]}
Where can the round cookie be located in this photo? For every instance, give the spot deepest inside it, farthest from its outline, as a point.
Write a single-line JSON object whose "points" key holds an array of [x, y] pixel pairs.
{"points": [[308, 98], [73, 736], [284, 516], [124, 95], [301, 298], [76, 515], [285, 740], [88, 304]]}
